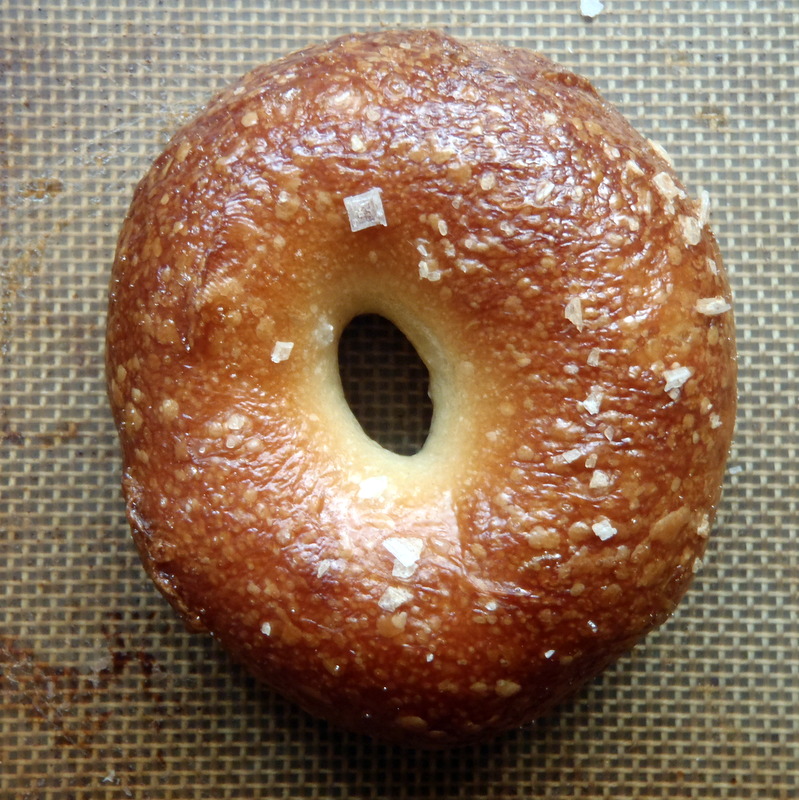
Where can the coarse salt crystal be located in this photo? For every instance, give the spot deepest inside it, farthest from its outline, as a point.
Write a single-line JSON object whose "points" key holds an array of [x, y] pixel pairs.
{"points": [[604, 530], [570, 456], [403, 572], [691, 230], [591, 8], [393, 598], [676, 378], [712, 306], [365, 210], [549, 654], [593, 402], [405, 549], [266, 629], [715, 421], [599, 479], [428, 274], [664, 183], [704, 208], [633, 167], [574, 313], [281, 351], [593, 357], [662, 152]]}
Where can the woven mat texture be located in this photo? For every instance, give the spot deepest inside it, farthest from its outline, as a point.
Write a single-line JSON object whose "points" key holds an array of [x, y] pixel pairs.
{"points": [[104, 695]]}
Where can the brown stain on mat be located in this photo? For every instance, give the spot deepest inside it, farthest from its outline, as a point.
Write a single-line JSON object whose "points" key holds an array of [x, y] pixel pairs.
{"points": [[73, 705], [60, 433], [41, 188], [714, 117]]}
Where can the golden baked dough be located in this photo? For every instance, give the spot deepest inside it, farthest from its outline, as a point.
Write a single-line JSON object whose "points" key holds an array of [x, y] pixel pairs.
{"points": [[570, 303]]}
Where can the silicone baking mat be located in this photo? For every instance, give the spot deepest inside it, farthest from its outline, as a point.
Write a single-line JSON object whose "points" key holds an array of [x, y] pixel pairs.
{"points": [[103, 693]]}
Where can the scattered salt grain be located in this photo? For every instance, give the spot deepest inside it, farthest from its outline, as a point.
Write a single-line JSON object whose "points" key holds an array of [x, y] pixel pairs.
{"points": [[281, 351], [704, 208], [604, 530], [266, 629], [665, 185], [428, 274], [593, 357], [712, 306], [662, 152], [365, 210], [591, 8], [599, 479], [574, 313], [676, 378], [593, 402], [633, 168], [549, 654], [406, 549], [570, 456], [691, 230], [393, 598]]}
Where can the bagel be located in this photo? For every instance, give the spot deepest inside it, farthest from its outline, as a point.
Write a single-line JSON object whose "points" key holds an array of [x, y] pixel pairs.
{"points": [[570, 304]]}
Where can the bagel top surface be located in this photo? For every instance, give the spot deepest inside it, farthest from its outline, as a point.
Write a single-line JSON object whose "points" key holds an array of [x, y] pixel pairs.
{"points": [[570, 303]]}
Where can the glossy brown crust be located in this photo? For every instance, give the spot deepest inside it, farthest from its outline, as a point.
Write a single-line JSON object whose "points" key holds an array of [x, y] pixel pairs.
{"points": [[571, 303]]}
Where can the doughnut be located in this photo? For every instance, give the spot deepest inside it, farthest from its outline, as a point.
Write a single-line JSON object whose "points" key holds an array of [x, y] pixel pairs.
{"points": [[569, 301]]}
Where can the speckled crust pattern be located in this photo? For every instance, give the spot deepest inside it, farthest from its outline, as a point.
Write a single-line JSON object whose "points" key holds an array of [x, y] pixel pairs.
{"points": [[570, 302]]}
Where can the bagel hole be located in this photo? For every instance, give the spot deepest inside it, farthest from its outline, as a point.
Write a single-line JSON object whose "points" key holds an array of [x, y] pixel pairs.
{"points": [[386, 384]]}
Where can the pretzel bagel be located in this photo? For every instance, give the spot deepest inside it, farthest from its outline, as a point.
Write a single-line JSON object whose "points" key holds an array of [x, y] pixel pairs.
{"points": [[570, 304]]}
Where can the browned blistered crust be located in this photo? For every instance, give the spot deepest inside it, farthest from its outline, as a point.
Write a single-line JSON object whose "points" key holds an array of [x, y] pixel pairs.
{"points": [[572, 306]]}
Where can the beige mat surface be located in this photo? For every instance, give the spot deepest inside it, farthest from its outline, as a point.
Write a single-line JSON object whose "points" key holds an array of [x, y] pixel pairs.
{"points": [[103, 694]]}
